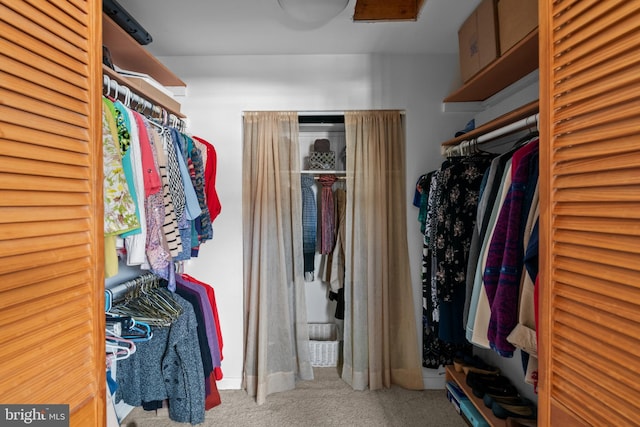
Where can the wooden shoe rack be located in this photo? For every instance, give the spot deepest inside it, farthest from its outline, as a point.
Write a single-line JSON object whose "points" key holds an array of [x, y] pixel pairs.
{"points": [[460, 379]]}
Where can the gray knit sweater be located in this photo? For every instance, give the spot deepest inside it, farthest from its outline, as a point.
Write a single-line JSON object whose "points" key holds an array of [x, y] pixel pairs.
{"points": [[168, 366]]}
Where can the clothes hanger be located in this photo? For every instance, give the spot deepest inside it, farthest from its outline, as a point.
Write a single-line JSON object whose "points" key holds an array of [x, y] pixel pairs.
{"points": [[106, 81], [527, 138], [148, 303], [119, 348]]}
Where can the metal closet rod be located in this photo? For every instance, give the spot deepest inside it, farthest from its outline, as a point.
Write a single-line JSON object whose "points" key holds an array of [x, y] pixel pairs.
{"points": [[520, 118], [130, 96], [526, 123]]}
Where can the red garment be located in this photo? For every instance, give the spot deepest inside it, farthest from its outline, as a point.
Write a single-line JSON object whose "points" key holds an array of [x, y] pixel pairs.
{"points": [[213, 397], [212, 299], [210, 170], [536, 292], [152, 181]]}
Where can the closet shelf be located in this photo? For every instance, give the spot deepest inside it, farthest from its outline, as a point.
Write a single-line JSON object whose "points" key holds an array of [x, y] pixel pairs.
{"points": [[460, 380], [516, 63], [143, 93], [128, 54]]}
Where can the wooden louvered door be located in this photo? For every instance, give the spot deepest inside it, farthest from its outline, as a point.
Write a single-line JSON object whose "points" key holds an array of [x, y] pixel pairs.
{"points": [[590, 213], [51, 248]]}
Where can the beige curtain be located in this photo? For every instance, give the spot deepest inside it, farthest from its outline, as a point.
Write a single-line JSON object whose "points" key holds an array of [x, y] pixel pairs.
{"points": [[276, 333], [380, 339]]}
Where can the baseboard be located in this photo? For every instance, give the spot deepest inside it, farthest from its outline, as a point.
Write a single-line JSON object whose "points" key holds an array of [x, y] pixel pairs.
{"points": [[229, 384]]}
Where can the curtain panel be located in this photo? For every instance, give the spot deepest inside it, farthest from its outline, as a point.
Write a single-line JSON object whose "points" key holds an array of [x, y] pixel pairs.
{"points": [[380, 334], [275, 325]]}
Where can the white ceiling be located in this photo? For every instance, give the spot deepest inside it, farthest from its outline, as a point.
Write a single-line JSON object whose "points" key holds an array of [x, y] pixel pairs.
{"points": [[250, 27]]}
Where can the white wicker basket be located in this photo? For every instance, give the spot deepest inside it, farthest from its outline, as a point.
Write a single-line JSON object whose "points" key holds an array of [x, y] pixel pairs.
{"points": [[323, 331], [323, 344]]}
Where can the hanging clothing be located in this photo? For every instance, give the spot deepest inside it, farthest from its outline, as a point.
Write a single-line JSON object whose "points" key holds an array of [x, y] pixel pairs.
{"points": [[505, 253], [335, 263], [327, 207], [479, 309], [168, 366], [453, 198], [120, 213], [156, 249], [309, 224], [170, 226], [210, 160]]}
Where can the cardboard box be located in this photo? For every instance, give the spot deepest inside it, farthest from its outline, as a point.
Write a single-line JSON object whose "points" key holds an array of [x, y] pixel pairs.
{"points": [[478, 39], [516, 19]]}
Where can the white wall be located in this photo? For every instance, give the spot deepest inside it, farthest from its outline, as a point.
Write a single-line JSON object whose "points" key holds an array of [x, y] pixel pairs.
{"points": [[221, 88]]}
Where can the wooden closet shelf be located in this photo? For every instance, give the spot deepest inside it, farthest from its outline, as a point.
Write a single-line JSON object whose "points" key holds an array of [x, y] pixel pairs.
{"points": [[516, 63], [129, 55], [460, 379], [508, 118]]}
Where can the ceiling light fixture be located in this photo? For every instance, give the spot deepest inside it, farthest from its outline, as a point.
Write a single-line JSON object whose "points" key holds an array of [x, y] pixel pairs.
{"points": [[316, 12]]}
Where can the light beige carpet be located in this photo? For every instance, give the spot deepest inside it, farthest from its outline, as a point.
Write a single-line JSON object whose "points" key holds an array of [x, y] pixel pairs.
{"points": [[325, 401]]}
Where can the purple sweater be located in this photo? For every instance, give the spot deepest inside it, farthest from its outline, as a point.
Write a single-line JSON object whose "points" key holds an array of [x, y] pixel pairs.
{"points": [[505, 253]]}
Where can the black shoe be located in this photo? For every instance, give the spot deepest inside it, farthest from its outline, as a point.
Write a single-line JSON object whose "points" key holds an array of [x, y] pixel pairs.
{"points": [[524, 410], [496, 385], [466, 364], [513, 400]]}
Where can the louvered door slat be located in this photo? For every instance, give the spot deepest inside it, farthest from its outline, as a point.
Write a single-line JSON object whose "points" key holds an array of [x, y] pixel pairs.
{"points": [[41, 31], [597, 255], [15, 297], [33, 120], [35, 229], [41, 70], [43, 243], [598, 240], [595, 163], [604, 225], [621, 276], [601, 194], [51, 208], [44, 94], [616, 209], [599, 118], [39, 168], [37, 137], [581, 41], [590, 220]]}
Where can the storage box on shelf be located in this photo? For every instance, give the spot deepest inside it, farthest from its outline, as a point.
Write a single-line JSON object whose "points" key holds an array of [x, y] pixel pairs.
{"points": [[516, 63], [516, 19], [478, 39]]}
